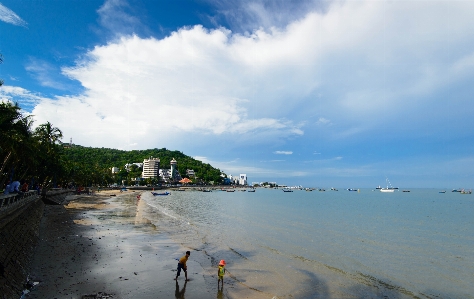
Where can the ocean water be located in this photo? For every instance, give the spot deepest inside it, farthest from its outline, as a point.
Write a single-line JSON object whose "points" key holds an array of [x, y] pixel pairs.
{"points": [[332, 244]]}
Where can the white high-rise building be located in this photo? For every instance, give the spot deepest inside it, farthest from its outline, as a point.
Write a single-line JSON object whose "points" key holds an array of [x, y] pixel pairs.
{"points": [[151, 168], [243, 179]]}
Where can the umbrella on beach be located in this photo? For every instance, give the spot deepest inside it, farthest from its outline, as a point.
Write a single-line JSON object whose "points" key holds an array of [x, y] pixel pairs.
{"points": [[185, 181]]}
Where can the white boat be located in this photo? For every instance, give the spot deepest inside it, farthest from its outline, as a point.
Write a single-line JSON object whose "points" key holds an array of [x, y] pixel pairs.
{"points": [[388, 189]]}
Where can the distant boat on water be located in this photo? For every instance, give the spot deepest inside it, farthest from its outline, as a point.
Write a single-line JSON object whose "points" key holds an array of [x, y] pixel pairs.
{"points": [[157, 194], [389, 187], [466, 192], [444, 191], [287, 190], [457, 190]]}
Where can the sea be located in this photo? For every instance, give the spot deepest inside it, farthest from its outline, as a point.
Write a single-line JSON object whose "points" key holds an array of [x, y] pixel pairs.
{"points": [[329, 244]]}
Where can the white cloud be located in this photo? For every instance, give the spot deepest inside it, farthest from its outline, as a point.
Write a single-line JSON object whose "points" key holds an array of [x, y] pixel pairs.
{"points": [[372, 61], [44, 73], [115, 15], [8, 16], [25, 98], [283, 152]]}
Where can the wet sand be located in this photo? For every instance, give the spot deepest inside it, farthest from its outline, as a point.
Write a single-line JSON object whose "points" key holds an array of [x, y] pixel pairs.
{"points": [[100, 246]]}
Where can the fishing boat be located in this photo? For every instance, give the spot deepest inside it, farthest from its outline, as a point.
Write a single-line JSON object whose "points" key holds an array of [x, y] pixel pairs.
{"points": [[253, 190], [466, 192], [443, 191], [287, 190]]}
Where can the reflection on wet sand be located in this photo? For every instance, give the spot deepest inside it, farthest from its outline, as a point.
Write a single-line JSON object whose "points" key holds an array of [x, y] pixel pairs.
{"points": [[179, 294]]}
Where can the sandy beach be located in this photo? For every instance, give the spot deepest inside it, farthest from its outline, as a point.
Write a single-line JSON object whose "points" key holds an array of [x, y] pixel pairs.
{"points": [[99, 246]]}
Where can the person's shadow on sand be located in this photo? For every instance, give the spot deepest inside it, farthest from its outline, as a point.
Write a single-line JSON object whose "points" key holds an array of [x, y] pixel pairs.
{"points": [[180, 294]]}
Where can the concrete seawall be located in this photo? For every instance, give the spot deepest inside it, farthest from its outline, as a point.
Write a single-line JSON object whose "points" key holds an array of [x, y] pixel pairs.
{"points": [[19, 233]]}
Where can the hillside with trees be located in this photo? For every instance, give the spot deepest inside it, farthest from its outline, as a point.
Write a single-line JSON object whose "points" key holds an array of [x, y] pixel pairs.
{"points": [[38, 157], [82, 160]]}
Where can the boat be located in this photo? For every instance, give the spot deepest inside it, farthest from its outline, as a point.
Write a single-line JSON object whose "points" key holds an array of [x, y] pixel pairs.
{"points": [[231, 190], [466, 192], [333, 189], [457, 190], [351, 189], [322, 190], [406, 191], [157, 194], [206, 190], [444, 191], [287, 190], [378, 187], [253, 190], [388, 189]]}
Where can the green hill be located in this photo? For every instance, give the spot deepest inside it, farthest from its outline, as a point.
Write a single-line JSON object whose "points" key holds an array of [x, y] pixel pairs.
{"points": [[94, 164]]}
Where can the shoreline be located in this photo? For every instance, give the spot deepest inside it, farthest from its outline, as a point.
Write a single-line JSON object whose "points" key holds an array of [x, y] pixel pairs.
{"points": [[103, 246], [96, 247]]}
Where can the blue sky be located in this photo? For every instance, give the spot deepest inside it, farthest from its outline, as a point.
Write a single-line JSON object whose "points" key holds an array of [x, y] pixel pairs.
{"points": [[312, 93]]}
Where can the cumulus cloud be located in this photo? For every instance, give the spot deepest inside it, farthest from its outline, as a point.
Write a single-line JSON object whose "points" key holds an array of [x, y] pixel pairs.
{"points": [[8, 16], [359, 63], [25, 98]]}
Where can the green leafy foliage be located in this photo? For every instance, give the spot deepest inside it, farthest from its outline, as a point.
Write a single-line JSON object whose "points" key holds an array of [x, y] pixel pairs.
{"points": [[96, 163]]}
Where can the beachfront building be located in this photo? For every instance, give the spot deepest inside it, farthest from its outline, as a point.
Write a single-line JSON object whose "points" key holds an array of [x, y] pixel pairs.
{"points": [[190, 173], [165, 174], [128, 166], [243, 179], [151, 168], [115, 170]]}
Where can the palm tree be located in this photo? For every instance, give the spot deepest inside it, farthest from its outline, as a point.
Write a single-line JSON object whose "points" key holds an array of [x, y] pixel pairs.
{"points": [[15, 138], [47, 134], [50, 158]]}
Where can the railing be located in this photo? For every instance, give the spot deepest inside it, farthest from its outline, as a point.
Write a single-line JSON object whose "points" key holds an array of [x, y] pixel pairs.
{"points": [[10, 202]]}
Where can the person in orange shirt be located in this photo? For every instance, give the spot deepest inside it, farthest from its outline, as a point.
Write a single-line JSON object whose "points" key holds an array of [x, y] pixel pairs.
{"points": [[182, 266]]}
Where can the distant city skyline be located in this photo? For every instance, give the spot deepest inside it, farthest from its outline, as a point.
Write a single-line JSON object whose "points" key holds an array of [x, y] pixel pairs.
{"points": [[323, 94]]}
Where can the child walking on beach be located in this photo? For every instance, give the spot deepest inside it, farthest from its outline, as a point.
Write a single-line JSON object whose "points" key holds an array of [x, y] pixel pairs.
{"points": [[182, 266], [221, 272]]}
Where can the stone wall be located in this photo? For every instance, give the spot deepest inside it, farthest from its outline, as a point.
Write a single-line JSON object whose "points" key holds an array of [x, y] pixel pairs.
{"points": [[18, 238], [19, 233]]}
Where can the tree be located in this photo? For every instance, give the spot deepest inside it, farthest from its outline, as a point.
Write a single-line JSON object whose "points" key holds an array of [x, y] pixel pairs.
{"points": [[15, 139], [50, 158]]}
